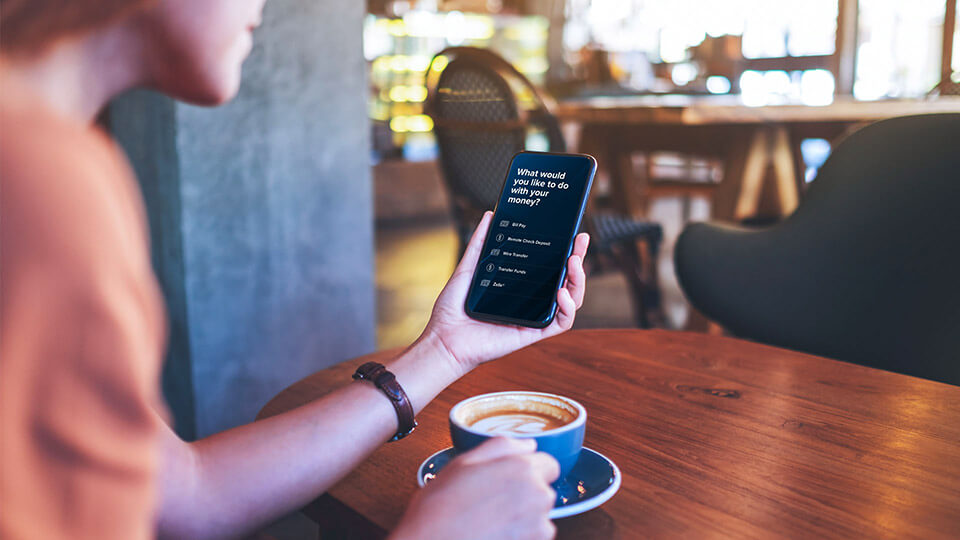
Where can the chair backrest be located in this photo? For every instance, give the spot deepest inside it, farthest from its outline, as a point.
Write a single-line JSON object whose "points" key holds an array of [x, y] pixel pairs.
{"points": [[866, 270], [482, 109]]}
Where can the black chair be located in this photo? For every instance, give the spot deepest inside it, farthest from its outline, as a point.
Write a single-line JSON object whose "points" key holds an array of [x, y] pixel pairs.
{"points": [[483, 111], [867, 269]]}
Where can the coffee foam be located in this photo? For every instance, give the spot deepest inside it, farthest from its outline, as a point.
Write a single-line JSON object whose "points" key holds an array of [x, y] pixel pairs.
{"points": [[516, 413], [516, 423]]}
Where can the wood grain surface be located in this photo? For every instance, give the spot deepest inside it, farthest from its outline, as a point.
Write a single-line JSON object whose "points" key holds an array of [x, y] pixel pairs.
{"points": [[715, 437]]}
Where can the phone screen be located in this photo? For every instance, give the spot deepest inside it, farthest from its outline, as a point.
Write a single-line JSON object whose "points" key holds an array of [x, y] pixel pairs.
{"points": [[523, 262]]}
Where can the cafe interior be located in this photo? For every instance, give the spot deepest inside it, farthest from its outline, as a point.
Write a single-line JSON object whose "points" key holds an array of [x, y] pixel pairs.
{"points": [[768, 345], [696, 111], [711, 123], [755, 183]]}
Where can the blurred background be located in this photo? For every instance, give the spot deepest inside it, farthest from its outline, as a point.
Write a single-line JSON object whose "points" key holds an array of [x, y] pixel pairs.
{"points": [[317, 216], [759, 53]]}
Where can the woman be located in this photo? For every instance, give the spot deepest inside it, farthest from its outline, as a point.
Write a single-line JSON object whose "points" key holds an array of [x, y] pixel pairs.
{"points": [[84, 450]]}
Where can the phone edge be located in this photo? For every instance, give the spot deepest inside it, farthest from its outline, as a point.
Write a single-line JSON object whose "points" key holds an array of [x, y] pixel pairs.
{"points": [[485, 317]]}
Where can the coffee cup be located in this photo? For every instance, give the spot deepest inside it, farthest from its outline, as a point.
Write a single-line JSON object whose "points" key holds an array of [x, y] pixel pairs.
{"points": [[555, 422]]}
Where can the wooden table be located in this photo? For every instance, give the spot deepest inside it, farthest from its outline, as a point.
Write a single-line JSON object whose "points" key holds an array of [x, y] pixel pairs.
{"points": [[716, 437], [747, 139]]}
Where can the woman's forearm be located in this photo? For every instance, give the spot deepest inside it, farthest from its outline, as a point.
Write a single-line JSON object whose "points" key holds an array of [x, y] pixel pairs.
{"points": [[243, 478]]}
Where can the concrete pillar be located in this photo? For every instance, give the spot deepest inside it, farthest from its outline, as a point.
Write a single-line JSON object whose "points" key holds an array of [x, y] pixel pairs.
{"points": [[261, 216]]}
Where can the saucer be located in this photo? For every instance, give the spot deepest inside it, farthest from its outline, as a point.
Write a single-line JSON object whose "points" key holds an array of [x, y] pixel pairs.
{"points": [[593, 480]]}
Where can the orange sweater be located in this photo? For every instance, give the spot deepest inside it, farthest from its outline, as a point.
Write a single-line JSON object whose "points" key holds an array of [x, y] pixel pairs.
{"points": [[81, 334]]}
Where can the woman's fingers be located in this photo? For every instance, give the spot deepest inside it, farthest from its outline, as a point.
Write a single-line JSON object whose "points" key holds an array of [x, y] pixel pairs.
{"points": [[472, 254], [545, 466], [580, 244], [497, 448], [576, 279], [566, 309], [570, 296]]}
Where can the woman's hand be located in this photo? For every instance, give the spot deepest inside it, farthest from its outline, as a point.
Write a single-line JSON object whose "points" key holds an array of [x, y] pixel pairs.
{"points": [[470, 342], [501, 489]]}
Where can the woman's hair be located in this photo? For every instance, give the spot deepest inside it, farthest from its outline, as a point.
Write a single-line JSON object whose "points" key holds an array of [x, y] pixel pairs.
{"points": [[28, 26]]}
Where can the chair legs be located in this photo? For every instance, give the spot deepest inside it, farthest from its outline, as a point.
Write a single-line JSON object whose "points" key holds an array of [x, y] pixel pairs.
{"points": [[638, 263]]}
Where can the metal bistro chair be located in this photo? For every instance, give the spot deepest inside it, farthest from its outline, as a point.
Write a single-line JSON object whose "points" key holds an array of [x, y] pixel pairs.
{"points": [[865, 270], [483, 110]]}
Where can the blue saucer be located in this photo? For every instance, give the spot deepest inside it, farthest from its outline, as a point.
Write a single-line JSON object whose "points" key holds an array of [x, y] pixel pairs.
{"points": [[593, 480]]}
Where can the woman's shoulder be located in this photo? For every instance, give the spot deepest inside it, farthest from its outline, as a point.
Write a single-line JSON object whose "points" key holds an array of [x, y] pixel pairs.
{"points": [[36, 143], [67, 190]]}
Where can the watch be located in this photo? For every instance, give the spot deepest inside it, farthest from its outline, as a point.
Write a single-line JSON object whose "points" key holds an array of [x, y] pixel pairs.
{"points": [[387, 383]]}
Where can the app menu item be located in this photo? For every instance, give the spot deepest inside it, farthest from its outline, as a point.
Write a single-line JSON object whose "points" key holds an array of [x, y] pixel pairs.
{"points": [[525, 251]]}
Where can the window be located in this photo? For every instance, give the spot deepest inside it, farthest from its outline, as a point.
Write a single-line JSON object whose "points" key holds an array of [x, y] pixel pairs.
{"points": [[899, 46]]}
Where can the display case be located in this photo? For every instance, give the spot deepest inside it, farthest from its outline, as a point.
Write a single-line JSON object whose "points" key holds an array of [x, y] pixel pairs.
{"points": [[399, 49]]}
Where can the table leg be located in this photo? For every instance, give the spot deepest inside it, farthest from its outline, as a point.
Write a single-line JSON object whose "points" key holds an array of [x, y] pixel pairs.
{"points": [[786, 171], [796, 142], [725, 195], [621, 178], [744, 162]]}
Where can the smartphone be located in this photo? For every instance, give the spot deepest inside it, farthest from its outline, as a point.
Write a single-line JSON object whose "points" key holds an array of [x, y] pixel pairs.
{"points": [[524, 258]]}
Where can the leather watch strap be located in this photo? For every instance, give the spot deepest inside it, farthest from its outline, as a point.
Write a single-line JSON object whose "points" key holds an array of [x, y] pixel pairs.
{"points": [[387, 383]]}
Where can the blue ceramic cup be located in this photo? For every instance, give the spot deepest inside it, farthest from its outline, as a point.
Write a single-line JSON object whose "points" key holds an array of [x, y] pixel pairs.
{"points": [[555, 422]]}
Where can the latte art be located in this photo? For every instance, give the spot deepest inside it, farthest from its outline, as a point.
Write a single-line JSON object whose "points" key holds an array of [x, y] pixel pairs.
{"points": [[517, 414], [516, 423]]}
